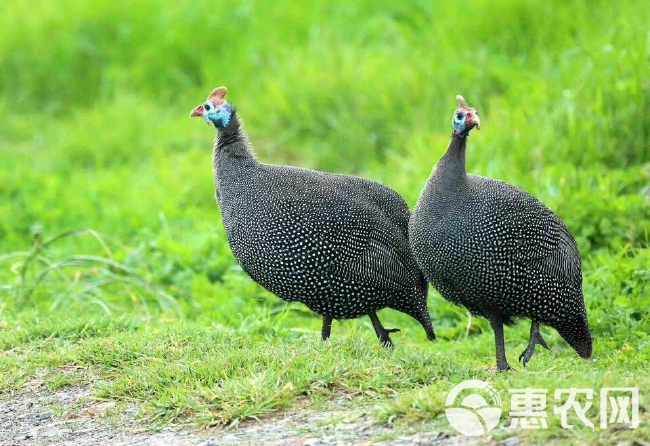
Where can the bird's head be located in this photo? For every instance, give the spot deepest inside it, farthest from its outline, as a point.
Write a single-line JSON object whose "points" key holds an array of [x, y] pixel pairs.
{"points": [[216, 109], [465, 118]]}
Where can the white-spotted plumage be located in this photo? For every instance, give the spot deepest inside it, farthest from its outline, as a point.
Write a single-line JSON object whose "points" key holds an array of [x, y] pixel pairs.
{"points": [[337, 243], [498, 251]]}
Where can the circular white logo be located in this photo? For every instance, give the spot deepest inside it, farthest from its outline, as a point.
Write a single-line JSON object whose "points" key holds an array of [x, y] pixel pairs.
{"points": [[474, 415]]}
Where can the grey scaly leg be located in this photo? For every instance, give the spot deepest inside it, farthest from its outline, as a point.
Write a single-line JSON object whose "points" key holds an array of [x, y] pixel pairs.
{"points": [[327, 328], [502, 362], [535, 338]]}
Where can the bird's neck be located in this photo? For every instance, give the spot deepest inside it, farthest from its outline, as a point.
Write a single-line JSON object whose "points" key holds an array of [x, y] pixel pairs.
{"points": [[232, 141], [451, 167]]}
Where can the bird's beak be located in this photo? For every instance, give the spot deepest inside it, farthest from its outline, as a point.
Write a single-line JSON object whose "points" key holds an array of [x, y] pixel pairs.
{"points": [[198, 111]]}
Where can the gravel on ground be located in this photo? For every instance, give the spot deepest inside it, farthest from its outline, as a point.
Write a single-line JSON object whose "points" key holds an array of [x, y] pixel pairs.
{"points": [[72, 415]]}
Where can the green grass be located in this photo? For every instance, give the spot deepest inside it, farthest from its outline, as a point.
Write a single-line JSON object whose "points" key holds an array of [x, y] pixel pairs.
{"points": [[114, 266], [181, 370]]}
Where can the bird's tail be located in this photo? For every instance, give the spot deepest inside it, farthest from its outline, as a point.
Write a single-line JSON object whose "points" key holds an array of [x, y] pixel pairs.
{"points": [[416, 307], [576, 333], [423, 316], [425, 320]]}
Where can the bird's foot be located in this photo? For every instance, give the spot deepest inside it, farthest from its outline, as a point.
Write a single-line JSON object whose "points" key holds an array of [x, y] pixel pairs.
{"points": [[384, 337], [535, 339], [503, 367], [381, 332], [526, 355]]}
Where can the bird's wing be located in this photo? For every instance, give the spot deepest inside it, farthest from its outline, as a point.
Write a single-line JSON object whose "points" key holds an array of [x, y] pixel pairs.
{"points": [[382, 255], [389, 203], [363, 246], [536, 237], [557, 255], [361, 229]]}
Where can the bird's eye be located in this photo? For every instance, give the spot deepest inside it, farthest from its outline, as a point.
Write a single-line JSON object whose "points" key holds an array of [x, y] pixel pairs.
{"points": [[459, 115], [207, 106]]}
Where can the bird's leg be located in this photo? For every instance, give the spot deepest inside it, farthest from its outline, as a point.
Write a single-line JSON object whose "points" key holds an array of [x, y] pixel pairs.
{"points": [[327, 328], [502, 362], [535, 338], [382, 333]]}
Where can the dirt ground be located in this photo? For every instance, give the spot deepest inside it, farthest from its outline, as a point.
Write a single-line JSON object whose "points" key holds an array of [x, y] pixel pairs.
{"points": [[72, 416]]}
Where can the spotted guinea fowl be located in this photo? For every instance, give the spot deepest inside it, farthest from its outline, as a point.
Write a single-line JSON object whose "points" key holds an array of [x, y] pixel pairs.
{"points": [[336, 243], [498, 251]]}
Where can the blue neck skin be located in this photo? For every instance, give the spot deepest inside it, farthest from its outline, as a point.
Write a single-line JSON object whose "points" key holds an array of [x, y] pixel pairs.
{"points": [[220, 117]]}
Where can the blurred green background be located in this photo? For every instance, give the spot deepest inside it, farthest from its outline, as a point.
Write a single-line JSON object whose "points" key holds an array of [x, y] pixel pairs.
{"points": [[95, 136]]}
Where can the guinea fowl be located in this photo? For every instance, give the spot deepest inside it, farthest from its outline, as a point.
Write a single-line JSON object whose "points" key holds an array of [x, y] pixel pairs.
{"points": [[336, 243], [498, 251]]}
